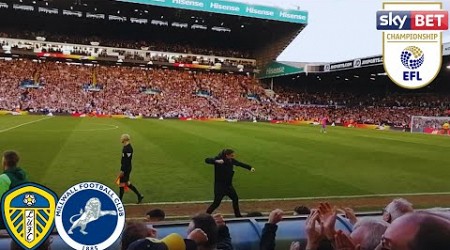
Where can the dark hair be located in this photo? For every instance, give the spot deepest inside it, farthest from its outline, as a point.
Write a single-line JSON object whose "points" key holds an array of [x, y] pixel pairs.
{"points": [[43, 246], [225, 152], [255, 214], [433, 234], [133, 231], [11, 158], [207, 223], [156, 214], [302, 210]]}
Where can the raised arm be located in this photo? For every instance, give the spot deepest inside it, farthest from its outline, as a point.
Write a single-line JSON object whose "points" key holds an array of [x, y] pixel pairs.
{"points": [[210, 160], [241, 164]]}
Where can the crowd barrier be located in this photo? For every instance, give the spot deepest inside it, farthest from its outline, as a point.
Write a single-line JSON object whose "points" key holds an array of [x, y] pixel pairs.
{"points": [[245, 233]]}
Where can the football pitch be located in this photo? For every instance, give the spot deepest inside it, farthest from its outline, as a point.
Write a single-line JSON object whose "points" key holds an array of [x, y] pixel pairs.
{"points": [[168, 163]]}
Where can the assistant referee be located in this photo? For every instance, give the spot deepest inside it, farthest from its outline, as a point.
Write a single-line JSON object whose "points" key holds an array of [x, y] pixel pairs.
{"points": [[125, 169]]}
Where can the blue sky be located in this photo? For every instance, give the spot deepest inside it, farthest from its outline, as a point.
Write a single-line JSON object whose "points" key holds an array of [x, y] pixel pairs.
{"points": [[337, 29]]}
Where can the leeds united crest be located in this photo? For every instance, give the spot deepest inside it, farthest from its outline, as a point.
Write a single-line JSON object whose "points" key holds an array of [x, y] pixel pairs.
{"points": [[28, 212]]}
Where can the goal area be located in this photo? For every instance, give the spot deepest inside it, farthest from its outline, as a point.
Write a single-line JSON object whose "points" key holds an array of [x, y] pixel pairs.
{"points": [[438, 125]]}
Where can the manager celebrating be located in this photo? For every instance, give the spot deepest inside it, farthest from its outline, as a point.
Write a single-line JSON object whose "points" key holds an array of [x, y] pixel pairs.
{"points": [[223, 179]]}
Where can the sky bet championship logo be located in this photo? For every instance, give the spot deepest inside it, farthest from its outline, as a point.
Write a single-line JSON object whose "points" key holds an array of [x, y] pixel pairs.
{"points": [[89, 216], [28, 213], [412, 41]]}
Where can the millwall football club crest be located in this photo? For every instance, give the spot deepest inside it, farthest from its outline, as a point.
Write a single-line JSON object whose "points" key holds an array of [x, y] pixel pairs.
{"points": [[28, 212], [89, 216], [412, 41]]}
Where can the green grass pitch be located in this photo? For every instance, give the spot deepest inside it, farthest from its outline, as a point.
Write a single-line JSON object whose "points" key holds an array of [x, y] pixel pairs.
{"points": [[168, 164]]}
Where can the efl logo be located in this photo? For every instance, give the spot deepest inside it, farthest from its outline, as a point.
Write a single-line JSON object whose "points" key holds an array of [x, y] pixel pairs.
{"points": [[412, 41]]}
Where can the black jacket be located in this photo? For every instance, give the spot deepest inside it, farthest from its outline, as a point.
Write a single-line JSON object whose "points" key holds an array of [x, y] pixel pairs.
{"points": [[268, 237], [127, 156], [223, 173], [224, 240]]}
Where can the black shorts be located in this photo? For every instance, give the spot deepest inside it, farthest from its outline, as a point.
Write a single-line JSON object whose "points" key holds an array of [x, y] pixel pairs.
{"points": [[125, 178]]}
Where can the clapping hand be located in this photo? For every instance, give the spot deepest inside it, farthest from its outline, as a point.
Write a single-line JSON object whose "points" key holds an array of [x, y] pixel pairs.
{"points": [[350, 214], [328, 216], [218, 218], [313, 236]]}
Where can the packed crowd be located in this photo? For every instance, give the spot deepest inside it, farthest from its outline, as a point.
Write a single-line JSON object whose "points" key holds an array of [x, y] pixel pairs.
{"points": [[399, 228], [127, 44], [230, 96]]}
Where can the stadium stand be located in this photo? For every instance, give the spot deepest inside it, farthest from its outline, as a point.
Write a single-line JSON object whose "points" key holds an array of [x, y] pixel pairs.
{"points": [[118, 70]]}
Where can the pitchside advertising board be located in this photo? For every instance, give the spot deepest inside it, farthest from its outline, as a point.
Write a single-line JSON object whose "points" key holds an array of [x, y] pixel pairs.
{"points": [[412, 41]]}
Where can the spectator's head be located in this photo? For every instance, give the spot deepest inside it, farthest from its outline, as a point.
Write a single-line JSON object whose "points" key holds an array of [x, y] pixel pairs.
{"points": [[396, 209], [302, 210], [155, 215], [133, 232], [207, 224], [170, 242], [10, 159], [227, 154], [418, 231], [44, 246], [125, 139], [368, 232], [255, 214]]}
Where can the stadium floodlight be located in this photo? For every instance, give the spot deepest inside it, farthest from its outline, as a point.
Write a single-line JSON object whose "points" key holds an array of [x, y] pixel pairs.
{"points": [[373, 75], [372, 78], [346, 79], [448, 66], [356, 76], [382, 74]]}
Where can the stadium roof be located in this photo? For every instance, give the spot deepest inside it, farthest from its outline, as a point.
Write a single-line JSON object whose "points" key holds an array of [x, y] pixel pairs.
{"points": [[232, 8], [281, 69], [263, 31], [369, 76]]}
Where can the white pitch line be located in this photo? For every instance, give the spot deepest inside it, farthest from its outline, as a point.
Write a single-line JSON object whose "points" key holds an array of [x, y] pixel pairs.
{"points": [[23, 124], [299, 198]]}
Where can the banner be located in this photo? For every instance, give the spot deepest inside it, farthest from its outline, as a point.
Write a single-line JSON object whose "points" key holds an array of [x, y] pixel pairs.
{"points": [[356, 63], [232, 8], [446, 49], [276, 69]]}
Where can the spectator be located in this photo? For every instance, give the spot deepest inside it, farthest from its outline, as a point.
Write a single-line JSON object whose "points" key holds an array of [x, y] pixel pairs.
{"points": [[170, 242], [418, 231], [215, 229], [301, 210], [44, 246], [269, 231], [397, 208], [155, 215], [367, 233], [254, 214], [12, 175], [134, 231]]}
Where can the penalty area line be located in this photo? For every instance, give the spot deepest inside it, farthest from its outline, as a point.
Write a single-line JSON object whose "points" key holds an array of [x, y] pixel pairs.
{"points": [[299, 198], [23, 124]]}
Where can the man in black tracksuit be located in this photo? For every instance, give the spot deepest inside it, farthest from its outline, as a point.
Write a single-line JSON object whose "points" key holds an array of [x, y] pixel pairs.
{"points": [[125, 168], [223, 179]]}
